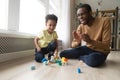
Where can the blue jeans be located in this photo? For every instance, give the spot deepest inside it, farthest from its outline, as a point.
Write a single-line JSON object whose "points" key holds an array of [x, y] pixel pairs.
{"points": [[40, 55], [90, 57]]}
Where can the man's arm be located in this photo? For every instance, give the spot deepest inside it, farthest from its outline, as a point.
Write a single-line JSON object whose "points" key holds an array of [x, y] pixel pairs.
{"points": [[106, 36], [76, 39], [75, 43]]}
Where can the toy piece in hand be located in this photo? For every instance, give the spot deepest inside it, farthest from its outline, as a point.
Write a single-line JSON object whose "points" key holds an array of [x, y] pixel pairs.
{"points": [[50, 54]]}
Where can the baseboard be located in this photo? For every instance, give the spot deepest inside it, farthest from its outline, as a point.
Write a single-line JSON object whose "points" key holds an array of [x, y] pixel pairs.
{"points": [[15, 55]]}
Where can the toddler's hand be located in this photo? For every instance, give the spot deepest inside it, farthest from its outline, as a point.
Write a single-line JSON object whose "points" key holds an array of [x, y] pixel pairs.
{"points": [[56, 55], [38, 49]]}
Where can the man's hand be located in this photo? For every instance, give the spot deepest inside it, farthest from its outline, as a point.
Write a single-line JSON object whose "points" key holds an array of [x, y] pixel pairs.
{"points": [[86, 38], [76, 36]]}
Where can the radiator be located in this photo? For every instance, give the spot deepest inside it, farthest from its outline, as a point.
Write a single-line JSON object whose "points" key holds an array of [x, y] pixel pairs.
{"points": [[14, 46]]}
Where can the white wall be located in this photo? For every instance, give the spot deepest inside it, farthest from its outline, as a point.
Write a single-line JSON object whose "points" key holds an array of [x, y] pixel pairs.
{"points": [[105, 5]]}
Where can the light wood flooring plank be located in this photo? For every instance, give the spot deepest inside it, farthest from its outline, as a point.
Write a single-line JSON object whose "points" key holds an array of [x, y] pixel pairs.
{"points": [[20, 69]]}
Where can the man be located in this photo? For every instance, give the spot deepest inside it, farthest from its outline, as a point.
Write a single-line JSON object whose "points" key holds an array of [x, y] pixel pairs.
{"points": [[96, 32]]}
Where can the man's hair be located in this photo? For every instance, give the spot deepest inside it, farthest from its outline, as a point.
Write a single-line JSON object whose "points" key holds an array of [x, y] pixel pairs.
{"points": [[86, 6], [51, 17]]}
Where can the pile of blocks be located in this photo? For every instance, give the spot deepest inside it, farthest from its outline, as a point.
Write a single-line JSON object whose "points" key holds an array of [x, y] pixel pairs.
{"points": [[60, 62]]}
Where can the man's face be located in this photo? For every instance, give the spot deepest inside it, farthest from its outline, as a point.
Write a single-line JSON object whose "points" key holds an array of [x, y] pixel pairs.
{"points": [[83, 15]]}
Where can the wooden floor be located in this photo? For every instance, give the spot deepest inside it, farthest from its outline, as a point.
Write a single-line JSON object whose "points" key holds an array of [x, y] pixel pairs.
{"points": [[20, 69]]}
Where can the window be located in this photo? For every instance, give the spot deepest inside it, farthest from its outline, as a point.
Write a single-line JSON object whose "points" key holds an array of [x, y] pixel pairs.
{"points": [[3, 14], [32, 16]]}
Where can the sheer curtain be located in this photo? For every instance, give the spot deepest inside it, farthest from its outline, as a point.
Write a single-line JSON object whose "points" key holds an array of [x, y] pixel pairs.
{"points": [[61, 8], [65, 23], [4, 14]]}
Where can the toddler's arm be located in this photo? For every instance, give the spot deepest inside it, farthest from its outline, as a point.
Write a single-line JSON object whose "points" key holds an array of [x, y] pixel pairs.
{"points": [[36, 44], [56, 50]]}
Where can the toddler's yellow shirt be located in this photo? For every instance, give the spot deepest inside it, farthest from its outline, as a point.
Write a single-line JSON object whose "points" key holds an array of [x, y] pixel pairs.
{"points": [[46, 38]]}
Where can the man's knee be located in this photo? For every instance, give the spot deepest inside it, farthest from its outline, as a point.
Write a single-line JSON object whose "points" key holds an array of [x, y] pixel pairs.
{"points": [[92, 63], [61, 54], [94, 60]]}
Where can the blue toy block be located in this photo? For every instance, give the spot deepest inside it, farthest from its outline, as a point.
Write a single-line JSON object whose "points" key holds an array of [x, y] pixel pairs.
{"points": [[33, 67], [45, 63], [44, 59], [78, 70]]}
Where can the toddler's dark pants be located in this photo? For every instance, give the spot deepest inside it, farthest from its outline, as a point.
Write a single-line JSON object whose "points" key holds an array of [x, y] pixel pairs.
{"points": [[90, 57], [49, 49]]}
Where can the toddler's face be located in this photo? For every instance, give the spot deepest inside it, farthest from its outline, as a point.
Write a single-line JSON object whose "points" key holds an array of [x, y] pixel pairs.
{"points": [[51, 25]]}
